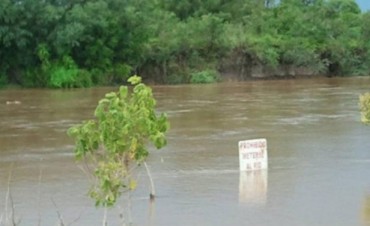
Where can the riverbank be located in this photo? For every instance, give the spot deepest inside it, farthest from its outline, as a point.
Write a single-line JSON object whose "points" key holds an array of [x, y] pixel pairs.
{"points": [[69, 44]]}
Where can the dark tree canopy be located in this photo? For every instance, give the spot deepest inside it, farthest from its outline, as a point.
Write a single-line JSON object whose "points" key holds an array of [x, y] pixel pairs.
{"points": [[58, 43]]}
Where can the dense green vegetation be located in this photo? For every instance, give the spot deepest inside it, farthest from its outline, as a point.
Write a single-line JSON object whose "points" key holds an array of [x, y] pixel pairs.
{"points": [[79, 43]]}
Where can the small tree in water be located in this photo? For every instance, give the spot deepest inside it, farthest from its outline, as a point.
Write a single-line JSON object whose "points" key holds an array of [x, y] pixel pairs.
{"points": [[114, 142], [365, 108], [365, 118]]}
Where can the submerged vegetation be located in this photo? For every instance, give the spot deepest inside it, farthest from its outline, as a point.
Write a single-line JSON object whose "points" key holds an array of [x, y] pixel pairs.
{"points": [[365, 108], [112, 144], [57, 43]]}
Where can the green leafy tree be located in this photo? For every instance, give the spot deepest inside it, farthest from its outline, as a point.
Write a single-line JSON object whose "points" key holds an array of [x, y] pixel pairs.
{"points": [[117, 139]]}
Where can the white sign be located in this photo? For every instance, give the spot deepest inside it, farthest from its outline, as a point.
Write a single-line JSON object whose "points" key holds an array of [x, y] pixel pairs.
{"points": [[253, 154]]}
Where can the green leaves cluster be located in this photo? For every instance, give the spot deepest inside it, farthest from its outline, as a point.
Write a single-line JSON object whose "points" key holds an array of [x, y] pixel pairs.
{"points": [[365, 107], [117, 138], [208, 76]]}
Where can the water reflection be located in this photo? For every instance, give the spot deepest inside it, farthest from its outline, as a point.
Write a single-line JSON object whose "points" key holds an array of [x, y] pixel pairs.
{"points": [[253, 187]]}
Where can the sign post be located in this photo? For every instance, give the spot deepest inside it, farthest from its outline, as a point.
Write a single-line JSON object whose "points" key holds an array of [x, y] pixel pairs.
{"points": [[253, 154]]}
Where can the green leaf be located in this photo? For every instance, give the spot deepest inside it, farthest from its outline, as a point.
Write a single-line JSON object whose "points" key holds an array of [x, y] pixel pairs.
{"points": [[110, 95], [123, 90], [134, 80]]}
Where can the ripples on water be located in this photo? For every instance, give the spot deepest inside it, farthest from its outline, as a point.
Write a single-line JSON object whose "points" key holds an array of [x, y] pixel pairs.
{"points": [[319, 156]]}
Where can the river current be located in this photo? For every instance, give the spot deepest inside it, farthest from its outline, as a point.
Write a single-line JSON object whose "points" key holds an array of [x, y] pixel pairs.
{"points": [[318, 150]]}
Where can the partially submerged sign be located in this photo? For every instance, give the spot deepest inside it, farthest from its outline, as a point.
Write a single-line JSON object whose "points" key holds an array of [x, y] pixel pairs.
{"points": [[253, 154], [253, 187]]}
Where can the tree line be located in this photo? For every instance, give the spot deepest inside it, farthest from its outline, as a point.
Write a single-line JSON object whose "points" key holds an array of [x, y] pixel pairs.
{"points": [[80, 43]]}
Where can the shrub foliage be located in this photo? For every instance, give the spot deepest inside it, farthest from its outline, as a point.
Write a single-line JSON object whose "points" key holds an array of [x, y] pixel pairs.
{"points": [[365, 108], [116, 140]]}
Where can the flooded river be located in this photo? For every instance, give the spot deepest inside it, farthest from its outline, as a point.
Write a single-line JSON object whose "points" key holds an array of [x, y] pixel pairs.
{"points": [[319, 157]]}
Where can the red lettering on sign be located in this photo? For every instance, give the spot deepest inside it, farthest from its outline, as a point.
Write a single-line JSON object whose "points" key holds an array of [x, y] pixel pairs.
{"points": [[248, 145]]}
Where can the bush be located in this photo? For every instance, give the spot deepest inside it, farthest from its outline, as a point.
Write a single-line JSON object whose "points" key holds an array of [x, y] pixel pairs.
{"points": [[125, 122], [62, 77], [67, 75], [83, 79], [365, 108], [121, 72], [206, 76]]}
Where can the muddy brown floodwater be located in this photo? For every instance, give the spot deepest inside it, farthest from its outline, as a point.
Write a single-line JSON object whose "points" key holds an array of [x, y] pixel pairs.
{"points": [[319, 156]]}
